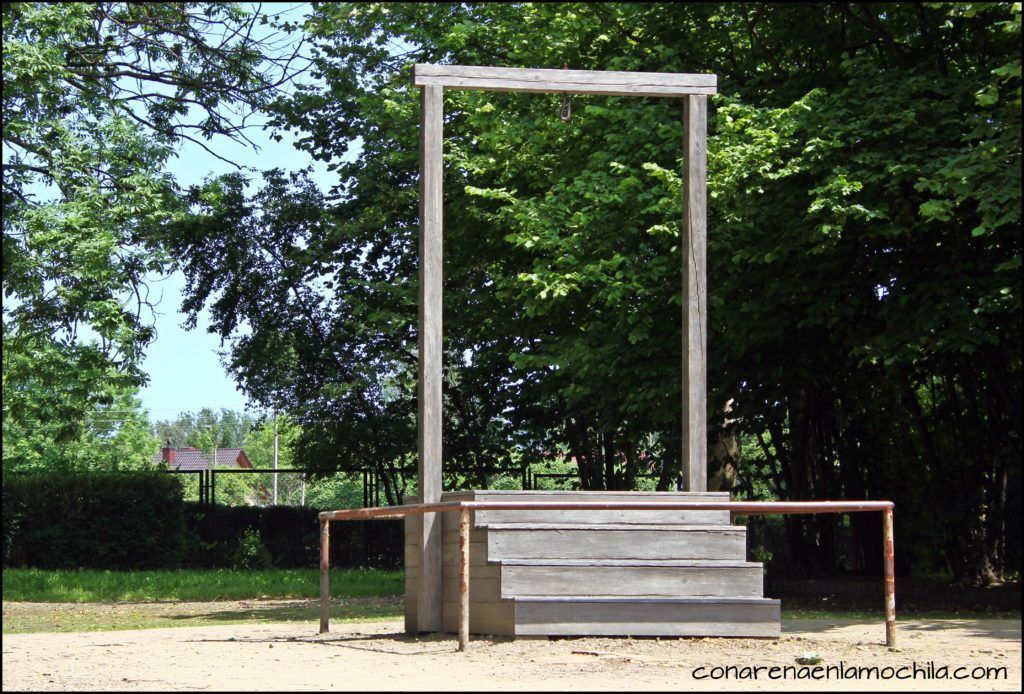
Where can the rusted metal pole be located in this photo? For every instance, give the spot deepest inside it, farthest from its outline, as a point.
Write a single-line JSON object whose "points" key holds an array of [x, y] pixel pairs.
{"points": [[325, 583], [464, 579], [889, 561]]}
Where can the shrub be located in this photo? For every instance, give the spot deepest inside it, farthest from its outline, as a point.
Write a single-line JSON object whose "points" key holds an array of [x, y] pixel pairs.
{"points": [[292, 536], [129, 521], [93, 520], [251, 553]]}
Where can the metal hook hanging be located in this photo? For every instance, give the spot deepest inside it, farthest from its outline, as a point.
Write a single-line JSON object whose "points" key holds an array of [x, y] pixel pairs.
{"points": [[566, 113]]}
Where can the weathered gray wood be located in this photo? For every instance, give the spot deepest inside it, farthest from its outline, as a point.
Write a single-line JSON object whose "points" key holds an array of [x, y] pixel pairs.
{"points": [[485, 518], [413, 549], [608, 82], [637, 617], [632, 580], [663, 563], [484, 617], [557, 495], [450, 556], [694, 243], [430, 351], [482, 589], [536, 541]]}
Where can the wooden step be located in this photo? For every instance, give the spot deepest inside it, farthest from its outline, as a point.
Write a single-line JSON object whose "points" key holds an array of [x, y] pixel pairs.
{"points": [[624, 616], [626, 578], [613, 541], [657, 517]]}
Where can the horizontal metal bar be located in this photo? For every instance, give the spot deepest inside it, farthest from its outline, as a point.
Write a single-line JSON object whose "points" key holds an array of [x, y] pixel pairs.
{"points": [[745, 508], [608, 82]]}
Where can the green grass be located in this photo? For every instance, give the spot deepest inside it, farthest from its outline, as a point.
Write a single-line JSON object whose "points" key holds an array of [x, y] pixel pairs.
{"points": [[38, 585], [30, 618]]}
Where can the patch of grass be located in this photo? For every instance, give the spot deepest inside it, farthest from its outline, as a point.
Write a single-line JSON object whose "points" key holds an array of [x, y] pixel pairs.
{"points": [[38, 585], [29, 618]]}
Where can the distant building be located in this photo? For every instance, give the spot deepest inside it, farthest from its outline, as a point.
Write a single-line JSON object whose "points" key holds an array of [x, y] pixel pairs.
{"points": [[194, 459], [188, 459]]}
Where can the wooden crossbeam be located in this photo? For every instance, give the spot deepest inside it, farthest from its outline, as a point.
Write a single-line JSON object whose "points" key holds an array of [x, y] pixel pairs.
{"points": [[608, 82]]}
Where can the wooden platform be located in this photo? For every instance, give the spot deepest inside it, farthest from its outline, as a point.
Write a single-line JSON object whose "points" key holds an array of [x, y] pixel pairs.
{"points": [[615, 573]]}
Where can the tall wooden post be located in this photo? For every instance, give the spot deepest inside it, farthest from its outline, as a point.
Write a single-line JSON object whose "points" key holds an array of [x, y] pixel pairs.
{"points": [[694, 245], [428, 603]]}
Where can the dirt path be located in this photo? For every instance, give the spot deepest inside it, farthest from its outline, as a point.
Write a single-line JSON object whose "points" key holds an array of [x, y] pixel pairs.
{"points": [[376, 656]]}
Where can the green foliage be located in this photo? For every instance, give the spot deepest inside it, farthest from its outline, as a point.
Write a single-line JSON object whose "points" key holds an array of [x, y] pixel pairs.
{"points": [[135, 520], [227, 429], [113, 437], [231, 490], [39, 585], [251, 552], [291, 535], [335, 491], [96, 98], [128, 520]]}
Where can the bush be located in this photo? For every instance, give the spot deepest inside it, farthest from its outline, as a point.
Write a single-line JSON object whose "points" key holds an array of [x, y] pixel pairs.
{"points": [[292, 536], [251, 552], [132, 521], [93, 520]]}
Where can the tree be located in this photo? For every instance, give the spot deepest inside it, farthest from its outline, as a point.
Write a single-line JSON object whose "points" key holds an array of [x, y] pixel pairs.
{"points": [[227, 428], [260, 449], [96, 97], [114, 436]]}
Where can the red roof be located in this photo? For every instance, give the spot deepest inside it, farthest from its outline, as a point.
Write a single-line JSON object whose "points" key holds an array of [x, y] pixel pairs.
{"points": [[189, 458]]}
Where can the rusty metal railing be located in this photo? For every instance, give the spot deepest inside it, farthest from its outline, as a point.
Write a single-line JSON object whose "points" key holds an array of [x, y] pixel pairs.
{"points": [[736, 508]]}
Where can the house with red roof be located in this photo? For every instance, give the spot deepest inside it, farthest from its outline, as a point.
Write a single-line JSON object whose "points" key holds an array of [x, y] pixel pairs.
{"points": [[189, 458]]}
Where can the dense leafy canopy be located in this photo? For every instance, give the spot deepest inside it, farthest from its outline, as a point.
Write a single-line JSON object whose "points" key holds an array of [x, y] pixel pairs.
{"points": [[96, 96]]}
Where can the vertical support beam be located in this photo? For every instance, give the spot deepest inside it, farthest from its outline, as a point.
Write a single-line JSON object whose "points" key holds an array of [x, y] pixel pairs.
{"points": [[889, 561], [464, 579], [693, 240], [430, 353], [325, 579]]}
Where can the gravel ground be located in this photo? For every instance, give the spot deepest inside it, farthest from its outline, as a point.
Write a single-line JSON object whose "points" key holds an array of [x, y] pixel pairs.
{"points": [[377, 656]]}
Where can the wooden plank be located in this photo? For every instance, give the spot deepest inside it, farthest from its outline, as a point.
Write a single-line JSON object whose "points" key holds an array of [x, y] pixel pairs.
{"points": [[590, 527], [589, 496], [607, 82], [665, 581], [410, 613], [577, 542], [430, 352], [694, 246], [450, 557], [716, 518], [484, 617], [480, 590], [639, 618], [662, 563]]}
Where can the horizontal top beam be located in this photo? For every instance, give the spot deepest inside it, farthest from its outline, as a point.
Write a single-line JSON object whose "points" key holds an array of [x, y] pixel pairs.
{"points": [[614, 83]]}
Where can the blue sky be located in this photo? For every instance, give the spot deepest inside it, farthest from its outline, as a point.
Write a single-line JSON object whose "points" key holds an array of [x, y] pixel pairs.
{"points": [[184, 368]]}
